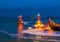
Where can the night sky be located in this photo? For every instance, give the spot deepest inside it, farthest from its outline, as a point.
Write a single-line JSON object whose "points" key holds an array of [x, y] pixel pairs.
{"points": [[12, 8]]}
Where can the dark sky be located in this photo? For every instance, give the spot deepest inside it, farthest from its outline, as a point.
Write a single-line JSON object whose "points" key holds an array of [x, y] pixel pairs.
{"points": [[11, 6], [28, 3]]}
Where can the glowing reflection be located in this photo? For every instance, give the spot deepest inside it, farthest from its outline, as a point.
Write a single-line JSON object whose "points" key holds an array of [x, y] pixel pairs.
{"points": [[20, 26]]}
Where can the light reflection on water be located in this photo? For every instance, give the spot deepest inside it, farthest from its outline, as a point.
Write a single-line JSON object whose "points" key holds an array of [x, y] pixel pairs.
{"points": [[41, 37], [11, 30], [22, 37]]}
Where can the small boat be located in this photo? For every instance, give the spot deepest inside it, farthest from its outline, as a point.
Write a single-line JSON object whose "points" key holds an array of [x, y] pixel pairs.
{"points": [[54, 26]]}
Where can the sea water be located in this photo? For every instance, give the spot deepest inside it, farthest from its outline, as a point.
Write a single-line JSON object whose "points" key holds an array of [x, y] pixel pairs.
{"points": [[8, 25]]}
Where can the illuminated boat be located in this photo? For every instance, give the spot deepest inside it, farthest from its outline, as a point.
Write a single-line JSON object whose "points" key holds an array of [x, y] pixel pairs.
{"points": [[54, 26]]}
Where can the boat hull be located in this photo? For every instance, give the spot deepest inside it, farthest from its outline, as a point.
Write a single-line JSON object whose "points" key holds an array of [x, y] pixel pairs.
{"points": [[55, 28]]}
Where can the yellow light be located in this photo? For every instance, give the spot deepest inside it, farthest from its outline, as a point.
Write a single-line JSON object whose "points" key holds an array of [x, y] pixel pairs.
{"points": [[41, 25], [38, 24]]}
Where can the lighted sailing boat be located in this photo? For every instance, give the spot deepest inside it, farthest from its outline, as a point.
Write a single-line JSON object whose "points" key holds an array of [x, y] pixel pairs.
{"points": [[38, 23], [53, 25]]}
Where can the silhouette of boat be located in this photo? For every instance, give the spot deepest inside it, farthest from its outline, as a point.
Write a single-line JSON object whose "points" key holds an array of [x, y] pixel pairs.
{"points": [[54, 26]]}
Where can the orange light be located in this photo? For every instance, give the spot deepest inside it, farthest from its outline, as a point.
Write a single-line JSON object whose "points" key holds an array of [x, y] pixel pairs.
{"points": [[20, 24], [20, 27], [50, 32]]}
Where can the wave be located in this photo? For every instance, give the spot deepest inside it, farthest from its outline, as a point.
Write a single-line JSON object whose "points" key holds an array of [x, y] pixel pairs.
{"points": [[10, 34]]}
